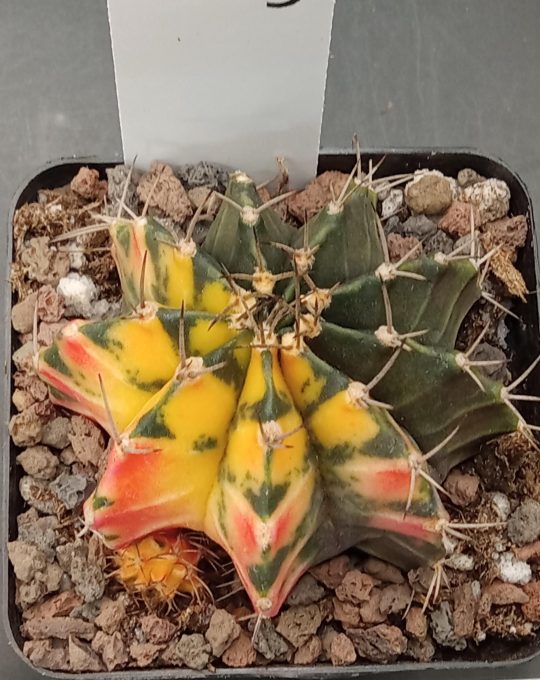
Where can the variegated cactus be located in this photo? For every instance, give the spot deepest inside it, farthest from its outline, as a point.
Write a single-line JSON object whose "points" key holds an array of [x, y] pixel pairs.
{"points": [[289, 392]]}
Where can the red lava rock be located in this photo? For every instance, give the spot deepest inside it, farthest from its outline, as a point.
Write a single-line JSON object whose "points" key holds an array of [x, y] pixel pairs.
{"points": [[381, 644], [87, 184], [23, 357], [347, 613], [530, 551], [47, 654], [463, 488], [395, 598], [57, 605], [22, 314], [382, 570], [428, 194], [331, 573], [156, 629], [416, 623], [86, 440], [111, 614], [60, 627], [112, 650], [531, 609], [317, 194], [506, 593], [399, 246], [465, 608], [39, 462], [240, 653], [298, 623], [355, 587], [508, 232], [370, 611], [82, 657], [168, 195], [457, 219], [308, 653], [143, 653], [342, 652], [222, 631], [50, 304]]}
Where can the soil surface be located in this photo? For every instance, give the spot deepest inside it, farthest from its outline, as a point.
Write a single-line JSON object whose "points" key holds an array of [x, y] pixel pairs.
{"points": [[76, 616]]}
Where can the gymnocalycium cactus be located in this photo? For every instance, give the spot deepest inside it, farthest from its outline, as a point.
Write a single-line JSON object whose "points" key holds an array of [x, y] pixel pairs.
{"points": [[289, 392]]}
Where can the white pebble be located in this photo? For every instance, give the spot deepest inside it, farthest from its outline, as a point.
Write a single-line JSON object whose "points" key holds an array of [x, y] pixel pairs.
{"points": [[460, 562], [501, 504], [78, 292], [392, 203], [512, 570], [492, 198], [77, 259]]}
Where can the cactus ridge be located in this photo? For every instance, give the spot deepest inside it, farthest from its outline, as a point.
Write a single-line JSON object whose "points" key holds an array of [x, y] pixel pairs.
{"points": [[289, 392]]}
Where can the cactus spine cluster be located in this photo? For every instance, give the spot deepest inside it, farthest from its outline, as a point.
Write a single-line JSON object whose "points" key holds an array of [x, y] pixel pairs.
{"points": [[289, 392]]}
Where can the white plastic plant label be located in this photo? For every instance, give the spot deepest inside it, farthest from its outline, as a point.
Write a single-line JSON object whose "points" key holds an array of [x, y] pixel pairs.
{"points": [[238, 82]]}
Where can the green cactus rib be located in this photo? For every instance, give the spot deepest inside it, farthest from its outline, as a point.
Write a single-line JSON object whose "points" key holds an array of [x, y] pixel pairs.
{"points": [[238, 243], [289, 417], [429, 392], [437, 304], [345, 233]]}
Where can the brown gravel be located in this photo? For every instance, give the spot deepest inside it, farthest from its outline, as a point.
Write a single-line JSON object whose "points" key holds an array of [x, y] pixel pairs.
{"points": [[87, 184], [463, 488], [332, 572], [168, 195], [298, 623], [399, 246], [82, 657], [380, 644], [60, 627], [112, 649], [111, 615], [416, 623], [309, 652], [531, 609], [222, 631], [457, 219], [429, 195], [383, 571], [355, 587], [240, 653], [506, 593], [342, 652]]}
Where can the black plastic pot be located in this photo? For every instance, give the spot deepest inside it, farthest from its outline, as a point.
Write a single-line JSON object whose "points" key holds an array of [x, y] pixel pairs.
{"points": [[524, 339]]}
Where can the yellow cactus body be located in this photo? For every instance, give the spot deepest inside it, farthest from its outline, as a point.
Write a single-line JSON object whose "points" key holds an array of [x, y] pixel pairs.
{"points": [[162, 470], [123, 352], [159, 566], [264, 507], [174, 274], [364, 458]]}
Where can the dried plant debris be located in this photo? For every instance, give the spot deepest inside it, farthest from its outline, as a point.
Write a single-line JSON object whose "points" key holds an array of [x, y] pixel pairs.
{"points": [[78, 615]]}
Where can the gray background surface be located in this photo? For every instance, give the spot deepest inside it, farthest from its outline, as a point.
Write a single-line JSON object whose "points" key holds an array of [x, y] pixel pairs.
{"points": [[401, 73]]}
